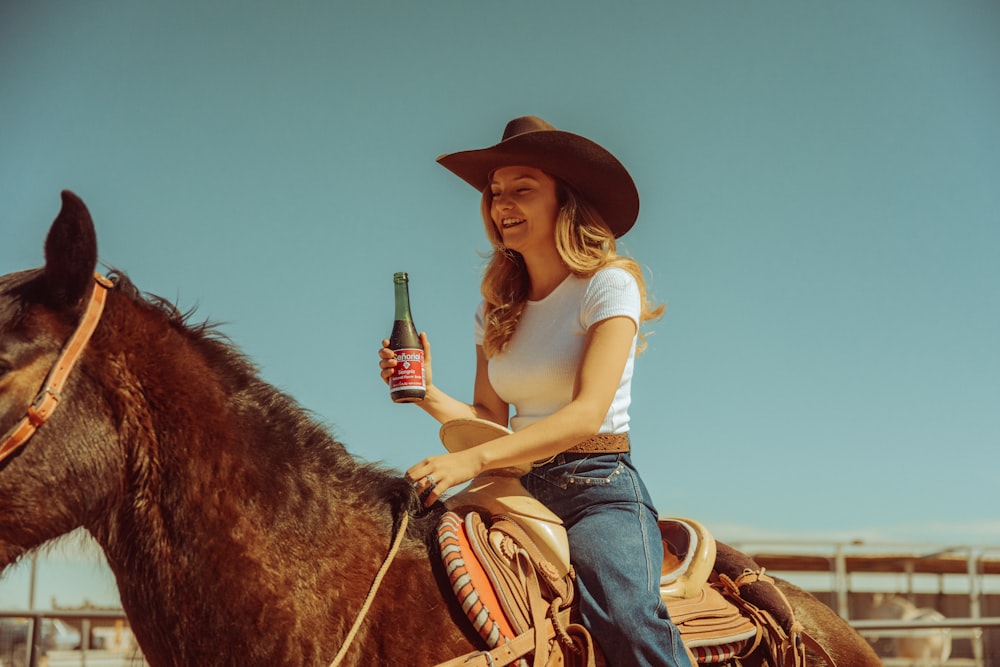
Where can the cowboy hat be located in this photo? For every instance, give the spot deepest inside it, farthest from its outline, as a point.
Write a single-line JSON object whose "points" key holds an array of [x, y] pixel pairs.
{"points": [[593, 172]]}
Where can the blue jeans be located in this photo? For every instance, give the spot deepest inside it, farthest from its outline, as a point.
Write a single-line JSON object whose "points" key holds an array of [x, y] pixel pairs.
{"points": [[616, 551]]}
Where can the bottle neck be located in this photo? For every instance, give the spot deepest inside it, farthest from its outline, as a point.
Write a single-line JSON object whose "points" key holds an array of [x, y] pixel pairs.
{"points": [[403, 301]]}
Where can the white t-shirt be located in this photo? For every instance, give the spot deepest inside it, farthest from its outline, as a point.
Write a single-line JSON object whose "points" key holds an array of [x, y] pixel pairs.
{"points": [[537, 371]]}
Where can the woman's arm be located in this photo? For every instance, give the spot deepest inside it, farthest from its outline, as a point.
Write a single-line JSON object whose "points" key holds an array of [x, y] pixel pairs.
{"points": [[605, 354]]}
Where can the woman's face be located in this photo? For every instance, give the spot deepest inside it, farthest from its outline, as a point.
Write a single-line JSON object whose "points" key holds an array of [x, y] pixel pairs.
{"points": [[524, 205]]}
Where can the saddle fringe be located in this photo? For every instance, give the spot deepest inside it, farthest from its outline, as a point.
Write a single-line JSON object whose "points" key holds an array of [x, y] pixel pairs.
{"points": [[782, 647], [535, 601], [514, 650]]}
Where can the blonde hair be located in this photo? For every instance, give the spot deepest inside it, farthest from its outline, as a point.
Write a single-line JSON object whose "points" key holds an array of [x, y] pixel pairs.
{"points": [[586, 245]]}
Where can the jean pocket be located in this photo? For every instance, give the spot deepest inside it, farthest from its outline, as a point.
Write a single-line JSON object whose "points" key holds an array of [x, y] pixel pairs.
{"points": [[595, 470]]}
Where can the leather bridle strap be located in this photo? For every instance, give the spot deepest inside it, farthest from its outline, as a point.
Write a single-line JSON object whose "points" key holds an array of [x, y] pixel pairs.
{"points": [[47, 399]]}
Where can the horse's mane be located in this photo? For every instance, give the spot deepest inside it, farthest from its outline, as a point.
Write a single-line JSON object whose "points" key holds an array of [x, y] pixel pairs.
{"points": [[16, 285], [304, 446], [316, 442], [206, 335]]}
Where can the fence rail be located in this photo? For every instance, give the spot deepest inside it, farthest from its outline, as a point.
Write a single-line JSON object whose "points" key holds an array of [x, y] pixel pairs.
{"points": [[922, 624], [94, 658], [86, 656]]}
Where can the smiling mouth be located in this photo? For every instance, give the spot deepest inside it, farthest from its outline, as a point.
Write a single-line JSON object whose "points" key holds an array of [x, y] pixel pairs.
{"points": [[507, 223]]}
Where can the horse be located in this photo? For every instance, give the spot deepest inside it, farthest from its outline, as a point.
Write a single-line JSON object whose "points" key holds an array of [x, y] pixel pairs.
{"points": [[925, 647], [238, 529]]}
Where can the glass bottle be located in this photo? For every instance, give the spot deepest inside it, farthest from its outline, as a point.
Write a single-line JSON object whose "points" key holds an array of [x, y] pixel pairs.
{"points": [[406, 384]]}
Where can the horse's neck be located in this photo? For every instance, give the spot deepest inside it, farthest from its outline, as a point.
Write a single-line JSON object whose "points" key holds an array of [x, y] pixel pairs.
{"points": [[225, 490], [255, 546], [239, 531]]}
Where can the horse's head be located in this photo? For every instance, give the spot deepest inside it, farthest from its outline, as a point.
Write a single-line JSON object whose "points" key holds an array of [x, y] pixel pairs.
{"points": [[45, 483]]}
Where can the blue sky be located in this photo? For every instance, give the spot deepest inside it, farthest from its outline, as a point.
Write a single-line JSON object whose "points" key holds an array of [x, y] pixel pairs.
{"points": [[820, 213]]}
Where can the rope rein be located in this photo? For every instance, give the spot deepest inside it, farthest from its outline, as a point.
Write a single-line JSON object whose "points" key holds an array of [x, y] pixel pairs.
{"points": [[373, 590]]}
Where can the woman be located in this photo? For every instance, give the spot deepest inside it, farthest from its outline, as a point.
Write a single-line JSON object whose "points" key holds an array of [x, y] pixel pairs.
{"points": [[556, 337]]}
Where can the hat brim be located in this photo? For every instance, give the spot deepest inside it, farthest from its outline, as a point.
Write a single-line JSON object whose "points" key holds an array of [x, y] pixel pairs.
{"points": [[593, 172]]}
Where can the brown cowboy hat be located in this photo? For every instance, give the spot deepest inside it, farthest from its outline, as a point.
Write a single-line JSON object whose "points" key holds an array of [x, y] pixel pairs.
{"points": [[593, 172]]}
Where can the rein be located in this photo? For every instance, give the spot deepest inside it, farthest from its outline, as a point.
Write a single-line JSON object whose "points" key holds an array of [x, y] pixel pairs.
{"points": [[393, 550], [48, 397]]}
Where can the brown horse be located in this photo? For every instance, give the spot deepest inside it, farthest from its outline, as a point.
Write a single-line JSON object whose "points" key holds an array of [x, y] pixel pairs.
{"points": [[239, 531]]}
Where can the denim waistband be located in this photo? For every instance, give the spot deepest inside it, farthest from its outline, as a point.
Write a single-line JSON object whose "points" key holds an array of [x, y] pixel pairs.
{"points": [[568, 457]]}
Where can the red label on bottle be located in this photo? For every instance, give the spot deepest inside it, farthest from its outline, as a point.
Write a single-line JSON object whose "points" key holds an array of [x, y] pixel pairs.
{"points": [[409, 372]]}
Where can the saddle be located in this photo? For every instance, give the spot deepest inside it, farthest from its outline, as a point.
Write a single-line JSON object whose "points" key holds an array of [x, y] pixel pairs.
{"points": [[507, 558]]}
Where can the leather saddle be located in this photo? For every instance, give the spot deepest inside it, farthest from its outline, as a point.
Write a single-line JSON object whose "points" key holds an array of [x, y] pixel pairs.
{"points": [[499, 543]]}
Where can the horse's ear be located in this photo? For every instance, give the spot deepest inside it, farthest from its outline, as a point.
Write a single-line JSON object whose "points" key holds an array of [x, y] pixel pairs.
{"points": [[70, 252]]}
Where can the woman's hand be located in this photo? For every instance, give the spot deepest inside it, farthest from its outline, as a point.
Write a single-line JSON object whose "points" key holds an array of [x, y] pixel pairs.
{"points": [[387, 359], [436, 474]]}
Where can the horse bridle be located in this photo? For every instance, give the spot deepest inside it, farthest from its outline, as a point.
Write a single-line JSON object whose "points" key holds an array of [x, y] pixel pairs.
{"points": [[47, 399]]}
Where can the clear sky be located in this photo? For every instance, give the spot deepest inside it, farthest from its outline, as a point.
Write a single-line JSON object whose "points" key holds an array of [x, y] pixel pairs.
{"points": [[820, 186]]}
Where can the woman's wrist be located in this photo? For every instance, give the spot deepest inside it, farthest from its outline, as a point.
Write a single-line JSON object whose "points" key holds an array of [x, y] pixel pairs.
{"points": [[443, 407], [431, 399]]}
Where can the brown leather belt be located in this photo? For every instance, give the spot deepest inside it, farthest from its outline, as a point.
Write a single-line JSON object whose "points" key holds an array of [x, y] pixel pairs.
{"points": [[603, 443]]}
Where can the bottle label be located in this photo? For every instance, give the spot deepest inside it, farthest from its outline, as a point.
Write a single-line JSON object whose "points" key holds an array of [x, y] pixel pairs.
{"points": [[409, 370]]}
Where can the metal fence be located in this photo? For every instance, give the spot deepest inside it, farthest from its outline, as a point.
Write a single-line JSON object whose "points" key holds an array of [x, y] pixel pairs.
{"points": [[24, 641], [970, 610], [960, 582], [28, 650]]}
